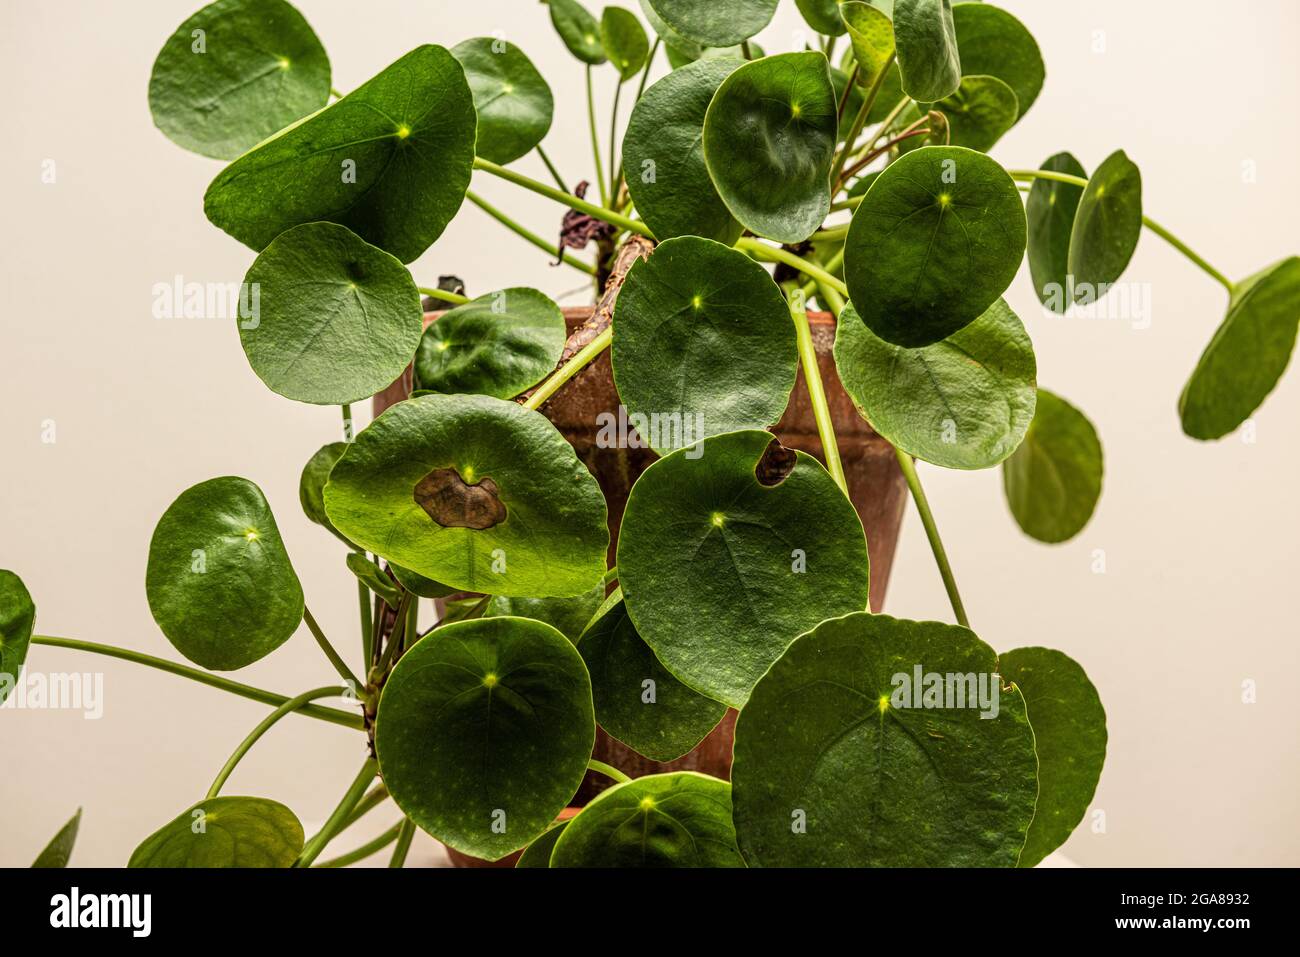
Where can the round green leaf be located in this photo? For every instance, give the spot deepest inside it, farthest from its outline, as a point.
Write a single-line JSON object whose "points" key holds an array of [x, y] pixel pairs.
{"points": [[474, 492], [717, 23], [660, 820], [59, 850], [1070, 738], [17, 619], [513, 101], [391, 161], [624, 41], [368, 574], [730, 549], [338, 319], [681, 50], [578, 29], [935, 241], [1107, 227], [982, 109], [963, 403], [703, 344], [822, 15], [836, 767], [483, 732], [637, 699], [499, 345], [568, 616], [225, 832], [995, 43], [1049, 210], [1053, 480], [219, 582], [663, 151], [236, 72], [769, 139], [538, 853], [927, 49], [311, 485], [1247, 355], [871, 34]]}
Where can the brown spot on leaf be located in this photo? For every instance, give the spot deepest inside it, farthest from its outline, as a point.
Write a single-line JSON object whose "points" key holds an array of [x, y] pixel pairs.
{"points": [[776, 463], [452, 503]]}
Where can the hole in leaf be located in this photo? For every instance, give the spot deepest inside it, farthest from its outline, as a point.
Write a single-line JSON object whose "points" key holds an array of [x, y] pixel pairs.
{"points": [[452, 503], [776, 463]]}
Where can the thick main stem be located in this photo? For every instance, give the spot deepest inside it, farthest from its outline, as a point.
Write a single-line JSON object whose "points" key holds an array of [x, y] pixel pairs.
{"points": [[908, 466]]}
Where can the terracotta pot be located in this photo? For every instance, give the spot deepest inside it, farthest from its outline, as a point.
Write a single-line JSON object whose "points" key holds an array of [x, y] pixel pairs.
{"points": [[876, 487]]}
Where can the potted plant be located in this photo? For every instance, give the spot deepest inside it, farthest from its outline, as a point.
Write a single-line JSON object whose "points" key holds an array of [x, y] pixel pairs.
{"points": [[656, 531]]}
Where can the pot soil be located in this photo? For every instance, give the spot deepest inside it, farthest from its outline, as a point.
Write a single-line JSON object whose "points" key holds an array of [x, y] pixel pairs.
{"points": [[876, 487]]}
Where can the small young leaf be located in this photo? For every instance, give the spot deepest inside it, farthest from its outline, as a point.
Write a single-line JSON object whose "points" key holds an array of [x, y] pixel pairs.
{"points": [[480, 494], [568, 616], [1107, 227], [225, 832], [59, 850], [1248, 354], [717, 23], [927, 49], [982, 109], [660, 820], [835, 768], [17, 618], [484, 731], [369, 575], [236, 72], [681, 50], [964, 402], [512, 99], [995, 43], [500, 345], [663, 152], [936, 240], [311, 485], [638, 700], [338, 319], [769, 140], [624, 41], [1050, 210], [403, 141], [1070, 737], [578, 29], [219, 582], [538, 853], [871, 33], [728, 551], [1053, 480], [703, 344], [419, 585]]}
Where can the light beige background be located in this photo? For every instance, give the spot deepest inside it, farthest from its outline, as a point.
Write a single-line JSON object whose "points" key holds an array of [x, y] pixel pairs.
{"points": [[1199, 541]]}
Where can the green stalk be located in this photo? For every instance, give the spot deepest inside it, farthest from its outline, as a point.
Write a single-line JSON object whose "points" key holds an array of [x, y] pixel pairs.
{"points": [[403, 843], [454, 298], [347, 422], [859, 122], [1147, 221], [608, 770], [555, 173], [932, 533], [528, 234], [816, 391], [595, 141], [399, 630], [367, 849], [340, 816], [293, 704], [778, 255], [576, 364], [572, 202], [374, 797], [613, 145], [367, 626], [333, 715], [339, 665]]}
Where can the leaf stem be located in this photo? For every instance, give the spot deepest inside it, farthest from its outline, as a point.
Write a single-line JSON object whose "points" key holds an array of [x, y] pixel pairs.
{"points": [[608, 770], [576, 364], [293, 704], [776, 254], [404, 837], [932, 533], [333, 715], [374, 797], [528, 234], [816, 390], [339, 665], [398, 633], [1147, 221], [340, 815], [572, 202], [595, 140], [881, 150], [347, 422], [555, 173], [365, 850], [613, 145], [859, 122], [454, 298]]}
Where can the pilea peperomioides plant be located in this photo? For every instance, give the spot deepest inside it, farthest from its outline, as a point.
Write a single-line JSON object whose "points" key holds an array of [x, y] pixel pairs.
{"points": [[852, 175]]}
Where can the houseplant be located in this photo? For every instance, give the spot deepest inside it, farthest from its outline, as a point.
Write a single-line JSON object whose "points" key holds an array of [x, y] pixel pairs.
{"points": [[730, 662]]}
